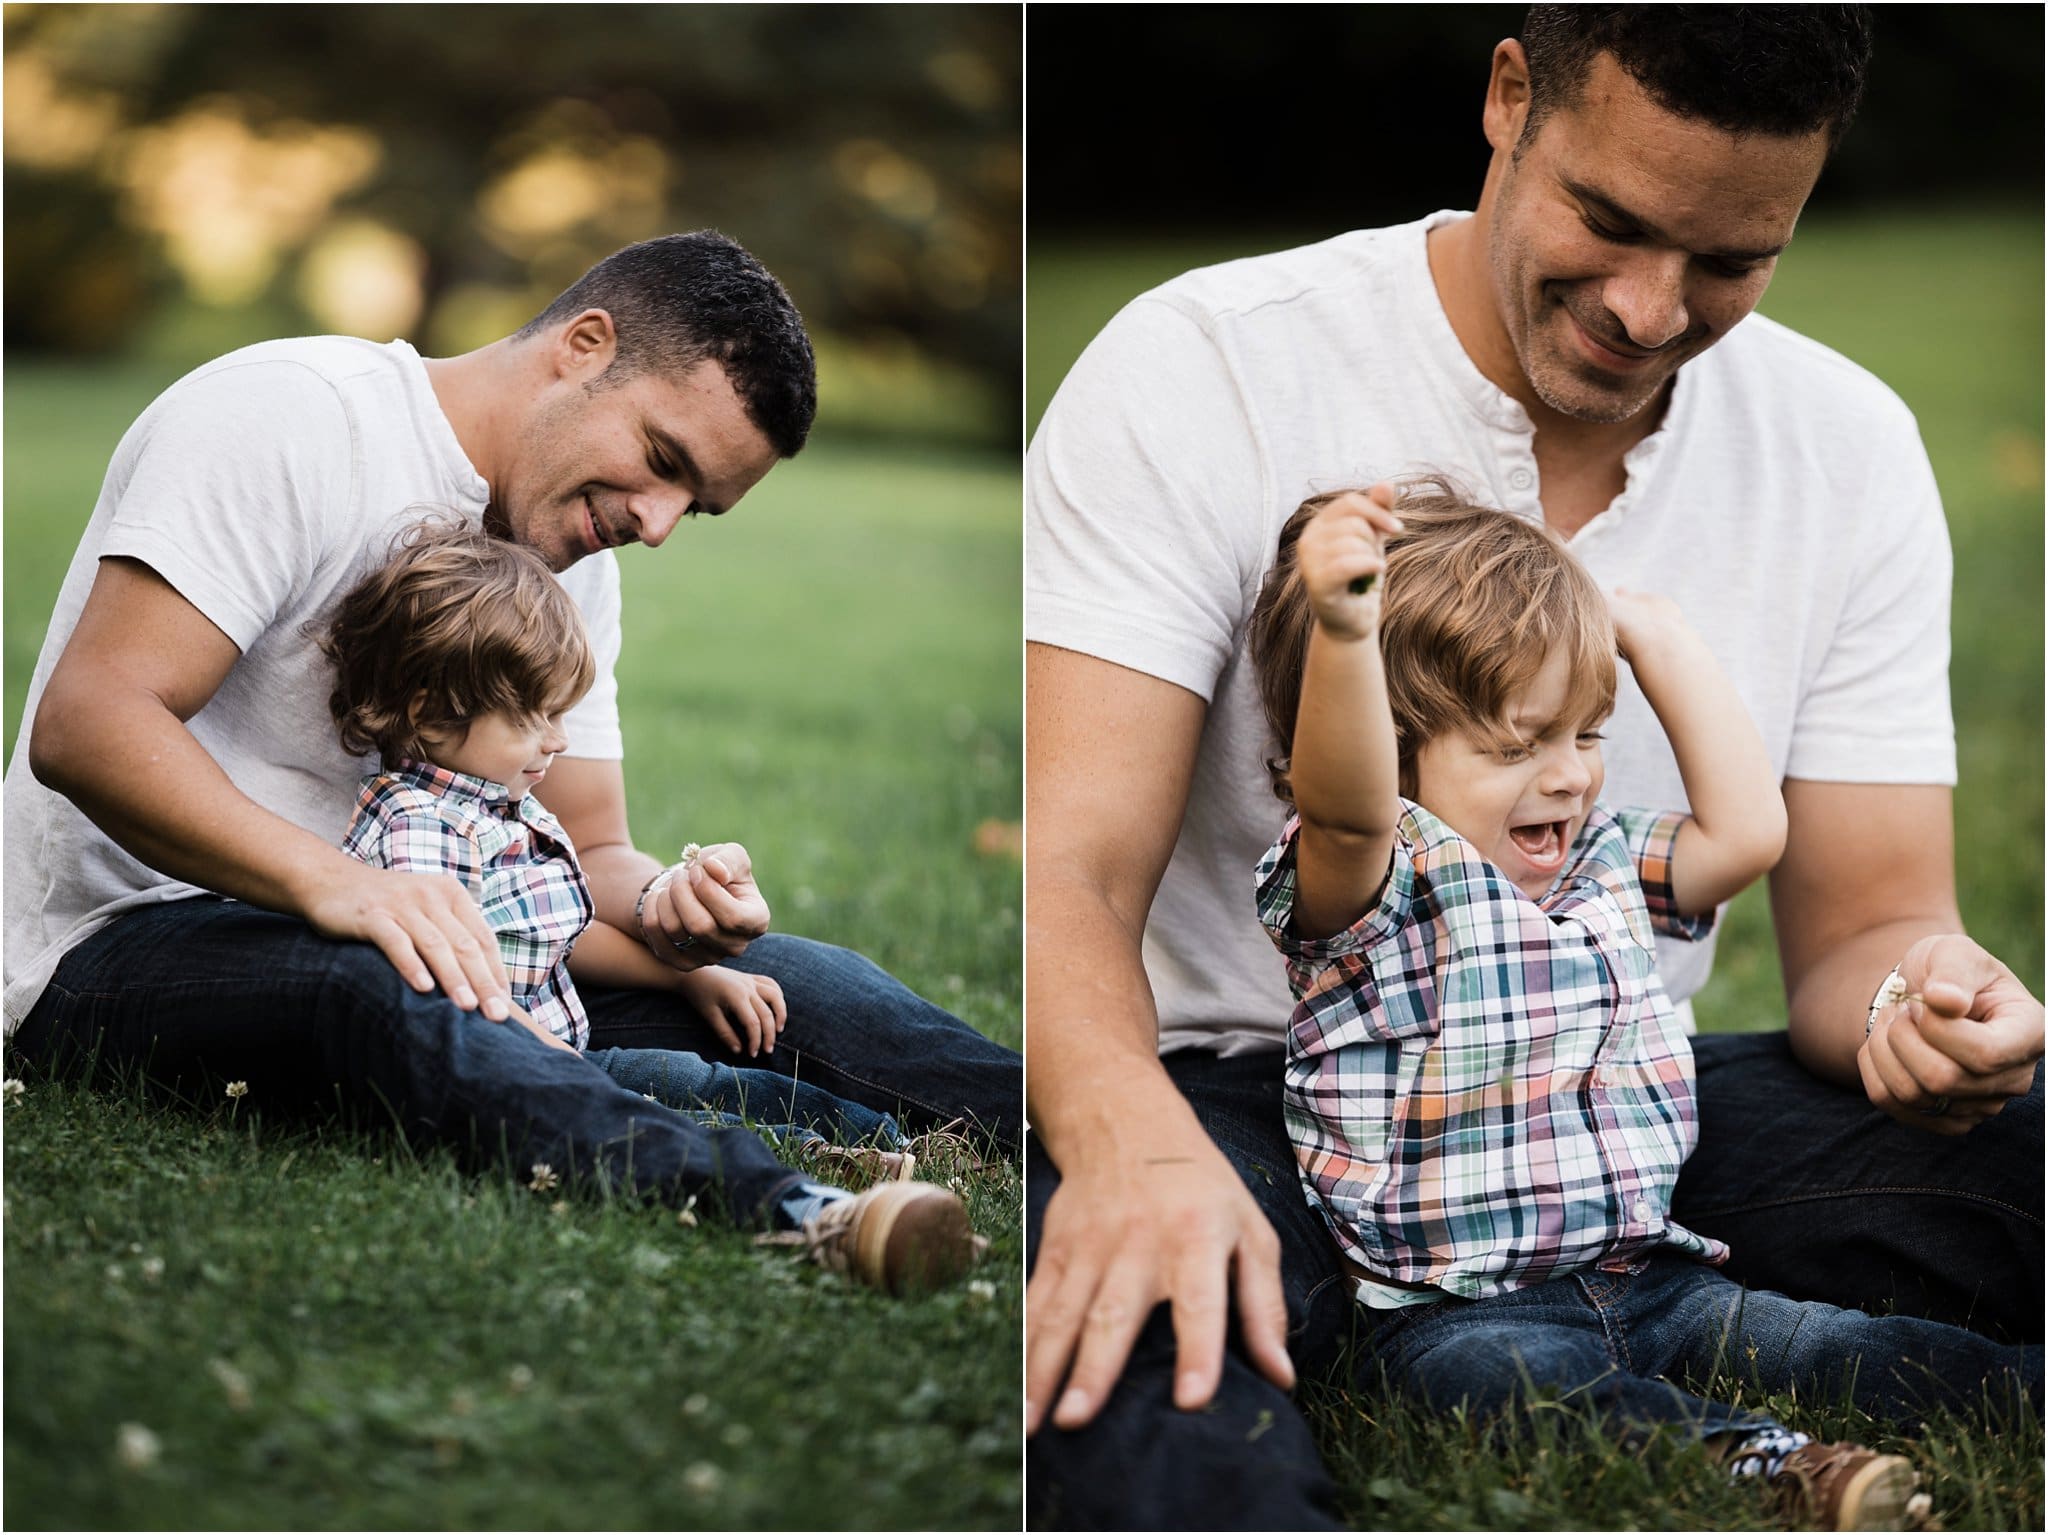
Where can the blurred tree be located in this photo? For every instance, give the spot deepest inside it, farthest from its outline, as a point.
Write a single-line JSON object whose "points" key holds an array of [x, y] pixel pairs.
{"points": [[443, 171], [1303, 117]]}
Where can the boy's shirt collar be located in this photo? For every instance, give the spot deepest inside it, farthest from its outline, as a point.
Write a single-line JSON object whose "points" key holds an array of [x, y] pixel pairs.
{"points": [[446, 783]]}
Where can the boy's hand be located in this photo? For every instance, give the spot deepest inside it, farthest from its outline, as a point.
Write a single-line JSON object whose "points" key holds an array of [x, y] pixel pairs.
{"points": [[1343, 550], [745, 1011], [526, 1020], [1648, 627]]}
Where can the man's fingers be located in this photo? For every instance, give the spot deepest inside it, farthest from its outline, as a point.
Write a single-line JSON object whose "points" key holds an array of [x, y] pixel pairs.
{"points": [[1201, 1319], [1262, 1306], [385, 931], [442, 958], [1115, 1313], [476, 946], [1055, 1299], [681, 915], [743, 913]]}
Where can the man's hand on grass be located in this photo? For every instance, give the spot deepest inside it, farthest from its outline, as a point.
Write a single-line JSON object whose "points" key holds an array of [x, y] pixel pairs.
{"points": [[427, 925], [1178, 1226], [705, 911], [1965, 1041]]}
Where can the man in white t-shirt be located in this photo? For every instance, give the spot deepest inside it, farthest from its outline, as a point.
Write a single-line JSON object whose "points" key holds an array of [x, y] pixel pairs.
{"points": [[1580, 350], [177, 746]]}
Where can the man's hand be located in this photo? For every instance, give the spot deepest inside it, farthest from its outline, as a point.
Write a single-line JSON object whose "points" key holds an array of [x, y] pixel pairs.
{"points": [[705, 912], [1177, 1226], [1960, 1046], [427, 925]]}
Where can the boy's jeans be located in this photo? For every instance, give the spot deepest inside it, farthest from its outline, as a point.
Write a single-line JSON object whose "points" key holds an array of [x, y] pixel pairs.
{"points": [[203, 991], [1597, 1339], [777, 1106]]}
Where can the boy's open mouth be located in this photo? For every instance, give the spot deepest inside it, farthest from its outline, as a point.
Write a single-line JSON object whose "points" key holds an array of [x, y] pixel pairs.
{"points": [[1541, 844]]}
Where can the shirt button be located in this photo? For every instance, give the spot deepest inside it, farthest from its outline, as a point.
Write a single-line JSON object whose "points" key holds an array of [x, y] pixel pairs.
{"points": [[1641, 1209], [1521, 479]]}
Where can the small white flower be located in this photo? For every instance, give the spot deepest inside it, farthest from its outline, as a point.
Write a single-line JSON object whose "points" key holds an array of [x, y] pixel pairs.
{"points": [[114, 1273], [238, 1089], [543, 1178], [982, 1289], [152, 1269], [559, 1207], [136, 1447], [233, 1384], [702, 1479], [12, 1089], [687, 1216], [519, 1379], [737, 1434]]}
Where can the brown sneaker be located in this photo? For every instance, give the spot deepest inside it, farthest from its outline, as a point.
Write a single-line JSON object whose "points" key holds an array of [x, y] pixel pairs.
{"points": [[898, 1237], [1846, 1487]]}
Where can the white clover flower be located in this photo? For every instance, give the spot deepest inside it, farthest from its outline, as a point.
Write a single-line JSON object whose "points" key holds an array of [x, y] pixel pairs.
{"points": [[233, 1384], [238, 1089], [687, 1216], [152, 1269], [702, 1479], [696, 1404], [136, 1447], [543, 1178], [12, 1089], [982, 1289], [519, 1379]]}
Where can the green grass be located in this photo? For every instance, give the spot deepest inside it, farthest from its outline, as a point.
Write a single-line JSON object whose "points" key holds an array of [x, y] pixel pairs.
{"points": [[1946, 307], [322, 1331]]}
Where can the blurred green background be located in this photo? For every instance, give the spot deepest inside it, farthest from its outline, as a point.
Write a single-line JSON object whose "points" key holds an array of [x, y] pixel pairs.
{"points": [[1920, 257], [181, 180]]}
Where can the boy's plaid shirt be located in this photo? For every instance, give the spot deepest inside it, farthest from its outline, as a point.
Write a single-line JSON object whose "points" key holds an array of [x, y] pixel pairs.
{"points": [[515, 859], [1485, 1091]]}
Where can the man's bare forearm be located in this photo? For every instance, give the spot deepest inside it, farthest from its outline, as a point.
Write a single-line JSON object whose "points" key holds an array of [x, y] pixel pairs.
{"points": [[1831, 1002], [618, 872], [134, 769], [1096, 1089]]}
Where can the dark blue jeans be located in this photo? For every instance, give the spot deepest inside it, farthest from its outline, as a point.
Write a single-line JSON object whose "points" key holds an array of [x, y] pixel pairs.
{"points": [[777, 1106], [198, 992], [1766, 1173], [1604, 1340]]}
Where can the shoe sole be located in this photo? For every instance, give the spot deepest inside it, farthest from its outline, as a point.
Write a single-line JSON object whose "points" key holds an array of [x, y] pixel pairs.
{"points": [[1876, 1496], [913, 1237]]}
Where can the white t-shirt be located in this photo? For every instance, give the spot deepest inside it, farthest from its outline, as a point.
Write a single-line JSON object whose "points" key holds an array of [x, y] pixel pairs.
{"points": [[262, 487], [1786, 503]]}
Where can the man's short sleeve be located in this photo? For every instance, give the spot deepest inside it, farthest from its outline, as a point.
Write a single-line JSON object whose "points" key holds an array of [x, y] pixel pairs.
{"points": [[245, 475], [1877, 710], [1145, 501], [593, 725]]}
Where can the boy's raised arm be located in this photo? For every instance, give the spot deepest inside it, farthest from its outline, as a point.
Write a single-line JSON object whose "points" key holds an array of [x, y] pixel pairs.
{"points": [[1737, 828], [1343, 763]]}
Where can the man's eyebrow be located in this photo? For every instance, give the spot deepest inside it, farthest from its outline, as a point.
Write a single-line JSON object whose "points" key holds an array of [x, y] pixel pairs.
{"points": [[1601, 203], [685, 465]]}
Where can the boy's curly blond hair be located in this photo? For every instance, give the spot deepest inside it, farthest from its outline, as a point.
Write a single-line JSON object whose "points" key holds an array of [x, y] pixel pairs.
{"points": [[1474, 602], [457, 625]]}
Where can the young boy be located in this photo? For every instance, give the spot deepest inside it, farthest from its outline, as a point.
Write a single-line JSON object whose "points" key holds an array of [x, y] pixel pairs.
{"points": [[1488, 1091], [455, 663]]}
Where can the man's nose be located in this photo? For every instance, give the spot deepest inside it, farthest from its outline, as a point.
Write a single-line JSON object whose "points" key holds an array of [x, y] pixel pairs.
{"points": [[1648, 297], [655, 515]]}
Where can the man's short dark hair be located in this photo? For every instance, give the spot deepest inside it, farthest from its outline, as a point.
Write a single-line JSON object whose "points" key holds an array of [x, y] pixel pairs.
{"points": [[1777, 69], [683, 299]]}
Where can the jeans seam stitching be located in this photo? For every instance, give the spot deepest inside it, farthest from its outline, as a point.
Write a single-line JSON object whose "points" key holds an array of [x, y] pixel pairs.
{"points": [[1702, 1213]]}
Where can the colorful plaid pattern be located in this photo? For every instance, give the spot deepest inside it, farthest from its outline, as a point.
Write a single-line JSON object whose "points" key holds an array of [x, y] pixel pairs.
{"points": [[515, 859], [1486, 1091]]}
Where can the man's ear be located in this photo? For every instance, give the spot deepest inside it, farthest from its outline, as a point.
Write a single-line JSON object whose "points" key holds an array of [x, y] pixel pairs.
{"points": [[586, 345], [1507, 95]]}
